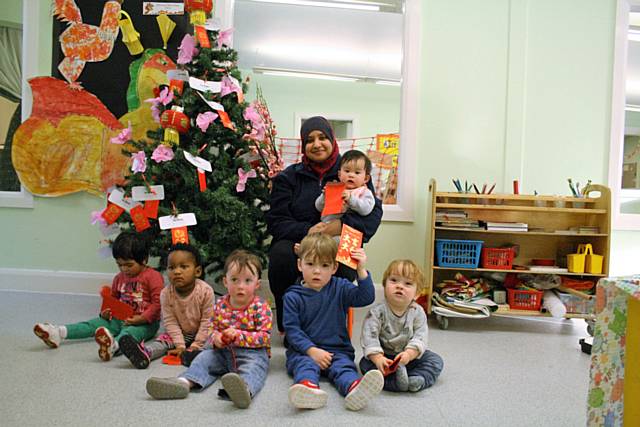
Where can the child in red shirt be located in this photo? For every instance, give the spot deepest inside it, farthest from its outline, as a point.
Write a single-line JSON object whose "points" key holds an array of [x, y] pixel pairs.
{"points": [[136, 285]]}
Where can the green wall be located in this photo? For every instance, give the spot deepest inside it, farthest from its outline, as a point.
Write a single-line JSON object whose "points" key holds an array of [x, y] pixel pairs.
{"points": [[509, 89]]}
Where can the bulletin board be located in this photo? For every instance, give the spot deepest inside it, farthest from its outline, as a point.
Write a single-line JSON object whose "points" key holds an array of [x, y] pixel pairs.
{"points": [[109, 79]]}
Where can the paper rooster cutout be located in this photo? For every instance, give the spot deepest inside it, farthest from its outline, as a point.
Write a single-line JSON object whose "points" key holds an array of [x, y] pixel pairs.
{"points": [[82, 43]]}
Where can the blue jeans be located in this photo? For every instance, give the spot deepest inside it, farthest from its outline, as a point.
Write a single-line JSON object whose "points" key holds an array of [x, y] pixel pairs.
{"points": [[428, 367], [252, 366], [342, 372]]}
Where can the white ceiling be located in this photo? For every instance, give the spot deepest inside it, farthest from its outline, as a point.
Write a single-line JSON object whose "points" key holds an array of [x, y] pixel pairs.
{"points": [[318, 39]]}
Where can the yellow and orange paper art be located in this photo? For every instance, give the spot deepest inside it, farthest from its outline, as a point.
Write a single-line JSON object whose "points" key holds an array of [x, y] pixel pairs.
{"points": [[64, 147], [82, 43]]}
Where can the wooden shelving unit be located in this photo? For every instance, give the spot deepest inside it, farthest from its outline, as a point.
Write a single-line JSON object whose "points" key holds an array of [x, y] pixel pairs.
{"points": [[549, 219]]}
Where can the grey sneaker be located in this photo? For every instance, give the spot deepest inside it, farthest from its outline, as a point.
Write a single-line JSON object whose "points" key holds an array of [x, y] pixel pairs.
{"points": [[167, 388], [306, 395], [416, 383], [237, 390], [402, 378], [48, 333], [369, 386]]}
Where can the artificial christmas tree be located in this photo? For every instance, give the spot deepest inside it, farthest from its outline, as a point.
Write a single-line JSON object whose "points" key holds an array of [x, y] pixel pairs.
{"points": [[213, 155]]}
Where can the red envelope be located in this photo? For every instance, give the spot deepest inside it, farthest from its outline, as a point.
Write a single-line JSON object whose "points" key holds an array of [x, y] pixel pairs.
{"points": [[170, 359], [393, 367], [349, 239], [333, 198], [201, 35], [112, 213], [179, 235], [119, 309], [139, 218], [151, 208]]}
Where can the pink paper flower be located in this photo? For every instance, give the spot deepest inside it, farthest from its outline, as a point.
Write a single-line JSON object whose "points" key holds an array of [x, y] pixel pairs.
{"points": [[165, 97], [187, 49], [162, 153], [224, 37], [123, 136], [205, 119], [138, 162], [96, 218], [242, 179], [229, 86]]}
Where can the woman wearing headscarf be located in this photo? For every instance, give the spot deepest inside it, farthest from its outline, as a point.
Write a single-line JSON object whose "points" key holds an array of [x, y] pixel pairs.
{"points": [[293, 214]]}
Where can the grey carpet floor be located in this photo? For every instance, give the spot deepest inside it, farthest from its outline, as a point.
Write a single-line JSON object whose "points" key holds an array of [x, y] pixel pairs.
{"points": [[498, 372]]}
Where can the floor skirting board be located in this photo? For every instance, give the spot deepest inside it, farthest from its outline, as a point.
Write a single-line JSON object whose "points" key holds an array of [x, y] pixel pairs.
{"points": [[77, 282]]}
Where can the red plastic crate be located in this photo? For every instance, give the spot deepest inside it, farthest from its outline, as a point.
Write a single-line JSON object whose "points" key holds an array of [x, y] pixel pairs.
{"points": [[497, 258], [520, 299]]}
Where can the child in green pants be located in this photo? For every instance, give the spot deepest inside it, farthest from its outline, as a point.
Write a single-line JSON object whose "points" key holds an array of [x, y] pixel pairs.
{"points": [[136, 285]]}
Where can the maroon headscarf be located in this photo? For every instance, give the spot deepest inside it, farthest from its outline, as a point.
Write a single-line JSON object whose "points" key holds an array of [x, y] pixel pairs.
{"points": [[321, 124]]}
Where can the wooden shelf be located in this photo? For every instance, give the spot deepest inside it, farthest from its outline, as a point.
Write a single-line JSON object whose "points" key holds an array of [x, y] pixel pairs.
{"points": [[521, 233], [502, 311], [516, 271], [543, 214], [522, 208]]}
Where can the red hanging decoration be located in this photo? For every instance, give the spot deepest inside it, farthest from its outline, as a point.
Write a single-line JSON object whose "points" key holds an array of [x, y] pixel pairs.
{"points": [[174, 122], [198, 10]]}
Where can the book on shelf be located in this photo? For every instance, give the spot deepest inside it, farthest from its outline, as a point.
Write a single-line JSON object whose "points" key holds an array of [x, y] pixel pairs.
{"points": [[507, 226], [450, 214]]}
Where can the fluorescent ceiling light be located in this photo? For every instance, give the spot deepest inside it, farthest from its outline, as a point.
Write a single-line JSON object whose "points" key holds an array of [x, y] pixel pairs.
{"points": [[388, 82], [631, 107], [304, 75], [354, 5], [634, 35]]}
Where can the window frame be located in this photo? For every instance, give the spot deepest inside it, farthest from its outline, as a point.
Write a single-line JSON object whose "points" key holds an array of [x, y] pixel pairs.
{"points": [[31, 10]]}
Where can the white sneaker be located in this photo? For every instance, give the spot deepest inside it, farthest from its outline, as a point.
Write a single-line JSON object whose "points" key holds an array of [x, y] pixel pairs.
{"points": [[369, 386], [108, 345], [306, 395], [48, 333]]}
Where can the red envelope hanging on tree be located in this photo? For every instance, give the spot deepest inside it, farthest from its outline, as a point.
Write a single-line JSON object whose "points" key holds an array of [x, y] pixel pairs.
{"points": [[139, 219], [350, 239], [333, 198], [112, 213], [119, 309]]}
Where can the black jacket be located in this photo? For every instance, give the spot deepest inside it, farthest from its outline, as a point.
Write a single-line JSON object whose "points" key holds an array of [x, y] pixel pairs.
{"points": [[293, 210]]}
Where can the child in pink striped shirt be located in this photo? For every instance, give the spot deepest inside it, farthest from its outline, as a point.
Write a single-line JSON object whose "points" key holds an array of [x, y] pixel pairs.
{"points": [[187, 306], [241, 339]]}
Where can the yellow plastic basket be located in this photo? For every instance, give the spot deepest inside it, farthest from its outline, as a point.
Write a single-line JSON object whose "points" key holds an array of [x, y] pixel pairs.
{"points": [[585, 260]]}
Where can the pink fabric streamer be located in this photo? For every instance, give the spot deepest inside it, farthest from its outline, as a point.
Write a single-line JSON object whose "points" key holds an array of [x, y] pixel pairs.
{"points": [[243, 177], [123, 136], [205, 119], [139, 162], [162, 153], [228, 86], [187, 49]]}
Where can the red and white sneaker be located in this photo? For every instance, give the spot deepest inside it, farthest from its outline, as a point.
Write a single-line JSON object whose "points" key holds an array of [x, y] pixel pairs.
{"points": [[108, 345], [307, 395], [364, 389], [48, 333]]}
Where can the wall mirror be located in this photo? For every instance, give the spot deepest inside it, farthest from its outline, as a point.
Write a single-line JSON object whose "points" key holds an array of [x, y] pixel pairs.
{"points": [[624, 159], [354, 62]]}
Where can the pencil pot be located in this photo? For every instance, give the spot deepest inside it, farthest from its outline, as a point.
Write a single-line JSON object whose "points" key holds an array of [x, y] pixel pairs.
{"points": [[458, 253]]}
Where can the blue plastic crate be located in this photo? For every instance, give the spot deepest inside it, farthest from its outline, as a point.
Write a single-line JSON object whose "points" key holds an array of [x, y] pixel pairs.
{"points": [[458, 253]]}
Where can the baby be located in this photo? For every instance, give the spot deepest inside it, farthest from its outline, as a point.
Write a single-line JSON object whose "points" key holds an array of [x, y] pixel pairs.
{"points": [[394, 333]]}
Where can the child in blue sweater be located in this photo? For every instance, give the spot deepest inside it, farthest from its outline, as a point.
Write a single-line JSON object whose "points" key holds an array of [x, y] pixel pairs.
{"points": [[315, 321]]}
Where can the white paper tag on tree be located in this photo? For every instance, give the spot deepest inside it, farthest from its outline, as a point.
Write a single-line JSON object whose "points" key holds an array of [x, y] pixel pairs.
{"points": [[117, 198], [198, 162], [204, 86], [212, 104], [180, 220], [142, 193], [178, 75]]}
